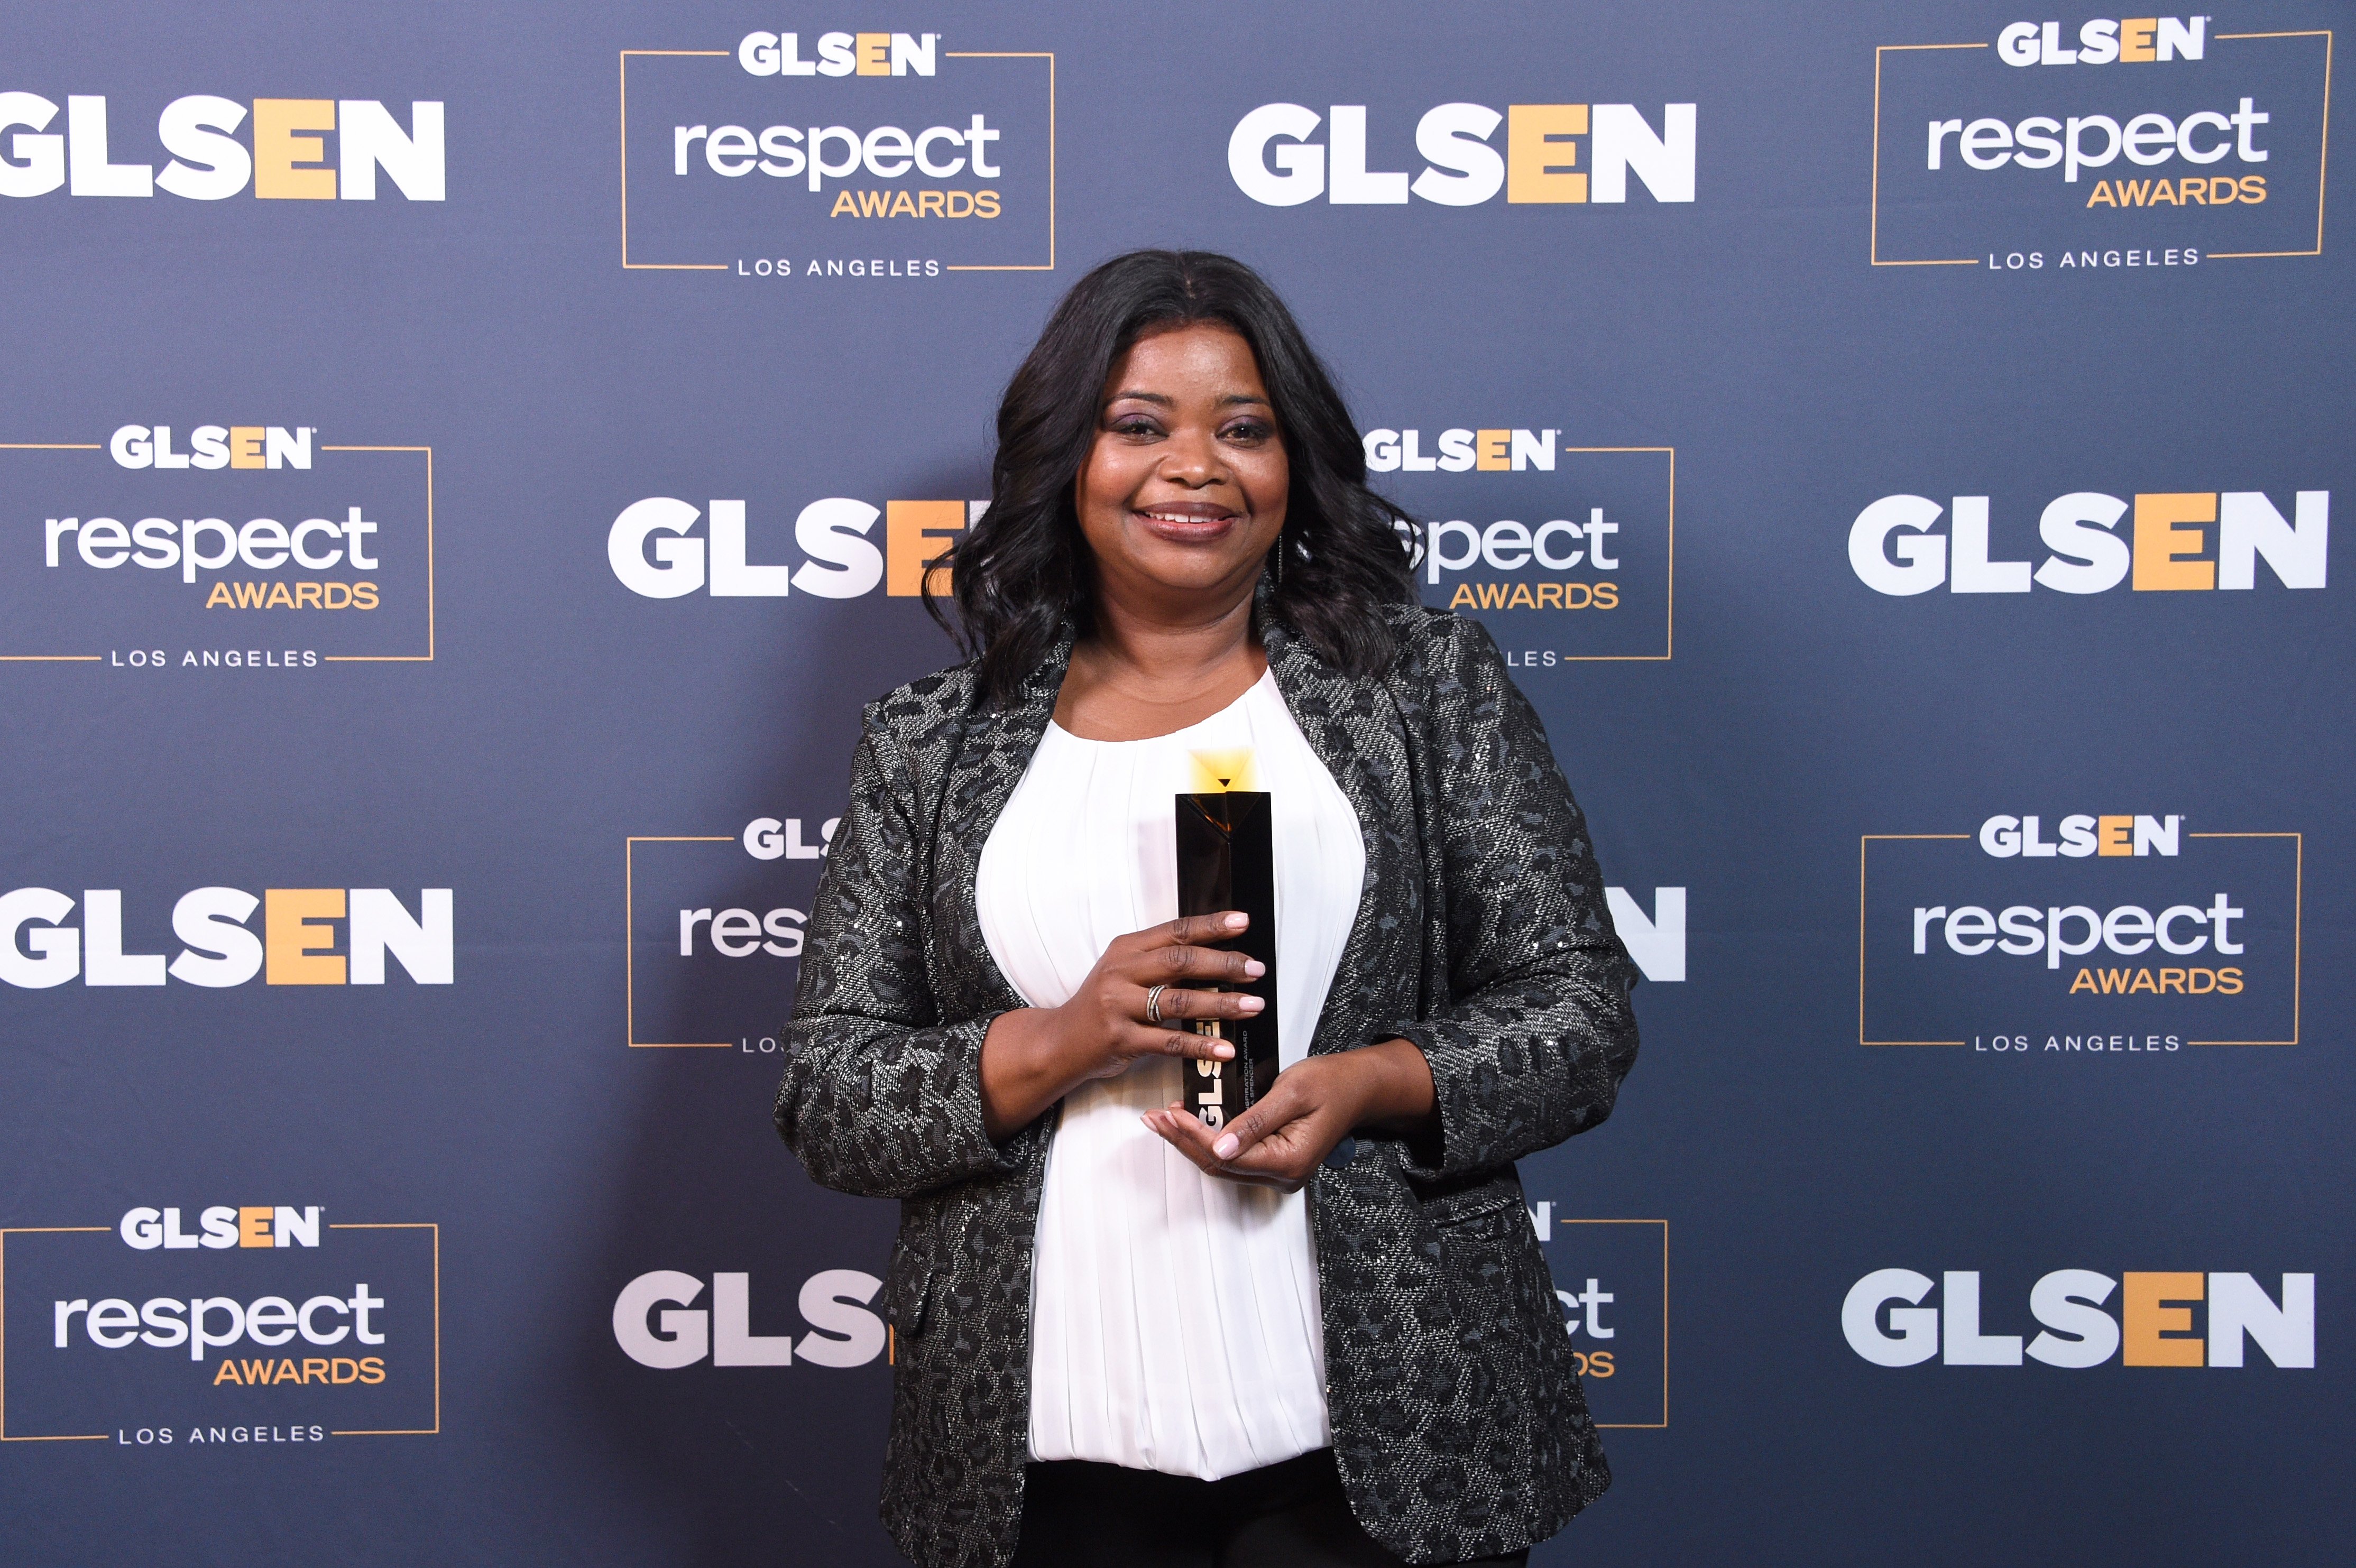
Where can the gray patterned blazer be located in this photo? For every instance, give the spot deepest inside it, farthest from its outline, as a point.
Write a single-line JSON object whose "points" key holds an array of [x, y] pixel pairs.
{"points": [[1482, 936]]}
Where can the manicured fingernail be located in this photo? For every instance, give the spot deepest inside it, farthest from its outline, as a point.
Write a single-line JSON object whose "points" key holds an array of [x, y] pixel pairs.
{"points": [[1223, 1052], [1250, 1004], [1225, 1147], [1238, 922], [1253, 968]]}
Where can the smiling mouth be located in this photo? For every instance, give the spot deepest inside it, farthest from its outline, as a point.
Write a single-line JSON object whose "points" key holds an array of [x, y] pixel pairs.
{"points": [[1187, 518]]}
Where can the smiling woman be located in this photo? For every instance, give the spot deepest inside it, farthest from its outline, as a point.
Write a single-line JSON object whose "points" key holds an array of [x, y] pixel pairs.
{"points": [[1180, 501], [1124, 1334], [1021, 578]]}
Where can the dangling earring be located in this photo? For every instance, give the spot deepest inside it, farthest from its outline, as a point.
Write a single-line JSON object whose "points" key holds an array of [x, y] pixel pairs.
{"points": [[1279, 560]]}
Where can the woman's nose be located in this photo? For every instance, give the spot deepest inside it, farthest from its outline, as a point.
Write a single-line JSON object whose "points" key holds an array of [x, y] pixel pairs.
{"points": [[1194, 459]]}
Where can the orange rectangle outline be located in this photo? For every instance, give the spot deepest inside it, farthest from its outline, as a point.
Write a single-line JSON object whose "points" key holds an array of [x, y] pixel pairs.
{"points": [[425, 657], [436, 1429], [1670, 640], [2297, 932], [2322, 171], [5, 1231], [630, 941], [1049, 56], [1862, 840], [1643, 1426], [629, 265], [2298, 938]]}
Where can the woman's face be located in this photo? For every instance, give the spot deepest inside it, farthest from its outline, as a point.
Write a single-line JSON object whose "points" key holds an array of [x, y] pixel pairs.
{"points": [[1184, 490]]}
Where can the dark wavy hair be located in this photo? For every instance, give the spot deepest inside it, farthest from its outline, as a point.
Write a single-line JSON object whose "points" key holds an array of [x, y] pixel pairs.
{"points": [[1023, 572]]}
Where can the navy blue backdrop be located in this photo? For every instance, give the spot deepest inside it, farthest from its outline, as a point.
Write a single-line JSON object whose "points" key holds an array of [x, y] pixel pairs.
{"points": [[464, 468]]}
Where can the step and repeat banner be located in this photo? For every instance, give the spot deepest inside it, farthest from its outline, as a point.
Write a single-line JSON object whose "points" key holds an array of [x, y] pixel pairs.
{"points": [[464, 468]]}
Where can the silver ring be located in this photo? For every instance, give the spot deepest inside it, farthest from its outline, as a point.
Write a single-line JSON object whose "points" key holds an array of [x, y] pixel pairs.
{"points": [[1153, 1004]]}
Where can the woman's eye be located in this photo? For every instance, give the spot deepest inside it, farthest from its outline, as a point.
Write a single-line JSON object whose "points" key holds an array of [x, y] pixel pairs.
{"points": [[1249, 432], [1134, 425]]}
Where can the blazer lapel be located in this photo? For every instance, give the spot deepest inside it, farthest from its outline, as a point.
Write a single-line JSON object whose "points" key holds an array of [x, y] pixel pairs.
{"points": [[993, 751], [1355, 728]]}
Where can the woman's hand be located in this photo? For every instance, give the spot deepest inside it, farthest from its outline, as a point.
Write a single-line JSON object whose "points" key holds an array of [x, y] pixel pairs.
{"points": [[1312, 1105], [1032, 1058]]}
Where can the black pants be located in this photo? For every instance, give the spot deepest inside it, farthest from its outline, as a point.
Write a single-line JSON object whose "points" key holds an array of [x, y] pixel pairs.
{"points": [[1291, 1515]]}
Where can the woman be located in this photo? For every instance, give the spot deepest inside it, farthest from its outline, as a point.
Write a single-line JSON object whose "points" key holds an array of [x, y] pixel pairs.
{"points": [[1324, 1333]]}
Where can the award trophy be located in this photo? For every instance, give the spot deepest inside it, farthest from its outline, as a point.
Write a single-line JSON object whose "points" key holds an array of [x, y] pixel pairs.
{"points": [[1227, 861]]}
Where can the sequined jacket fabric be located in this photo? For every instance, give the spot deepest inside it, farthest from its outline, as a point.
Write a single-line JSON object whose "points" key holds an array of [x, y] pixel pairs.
{"points": [[1481, 935]]}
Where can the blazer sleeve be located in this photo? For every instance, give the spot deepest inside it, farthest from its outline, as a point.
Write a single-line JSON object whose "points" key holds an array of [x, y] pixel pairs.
{"points": [[1538, 1032], [882, 1096]]}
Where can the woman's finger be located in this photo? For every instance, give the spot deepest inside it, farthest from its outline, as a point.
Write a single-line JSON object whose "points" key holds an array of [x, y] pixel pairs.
{"points": [[1184, 1002], [1187, 1134], [1145, 1040], [1283, 1103], [1189, 930], [1182, 963], [1281, 1158], [1184, 1128], [1272, 1156]]}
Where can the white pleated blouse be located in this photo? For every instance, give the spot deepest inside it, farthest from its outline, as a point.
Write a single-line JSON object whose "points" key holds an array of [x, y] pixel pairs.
{"points": [[1173, 1315]]}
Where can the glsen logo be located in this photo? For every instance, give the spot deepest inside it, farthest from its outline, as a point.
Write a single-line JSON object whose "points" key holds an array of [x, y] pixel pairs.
{"points": [[2221, 156], [840, 54], [2109, 932], [212, 446], [655, 554], [2082, 835], [285, 154], [1459, 451], [767, 838], [834, 1302], [2138, 40], [1274, 157], [1613, 1280], [309, 936], [1584, 535], [959, 143], [260, 1324], [2164, 1319], [2177, 541], [709, 919], [249, 546], [245, 1225]]}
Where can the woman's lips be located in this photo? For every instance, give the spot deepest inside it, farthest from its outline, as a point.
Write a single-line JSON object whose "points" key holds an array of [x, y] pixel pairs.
{"points": [[1186, 522]]}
